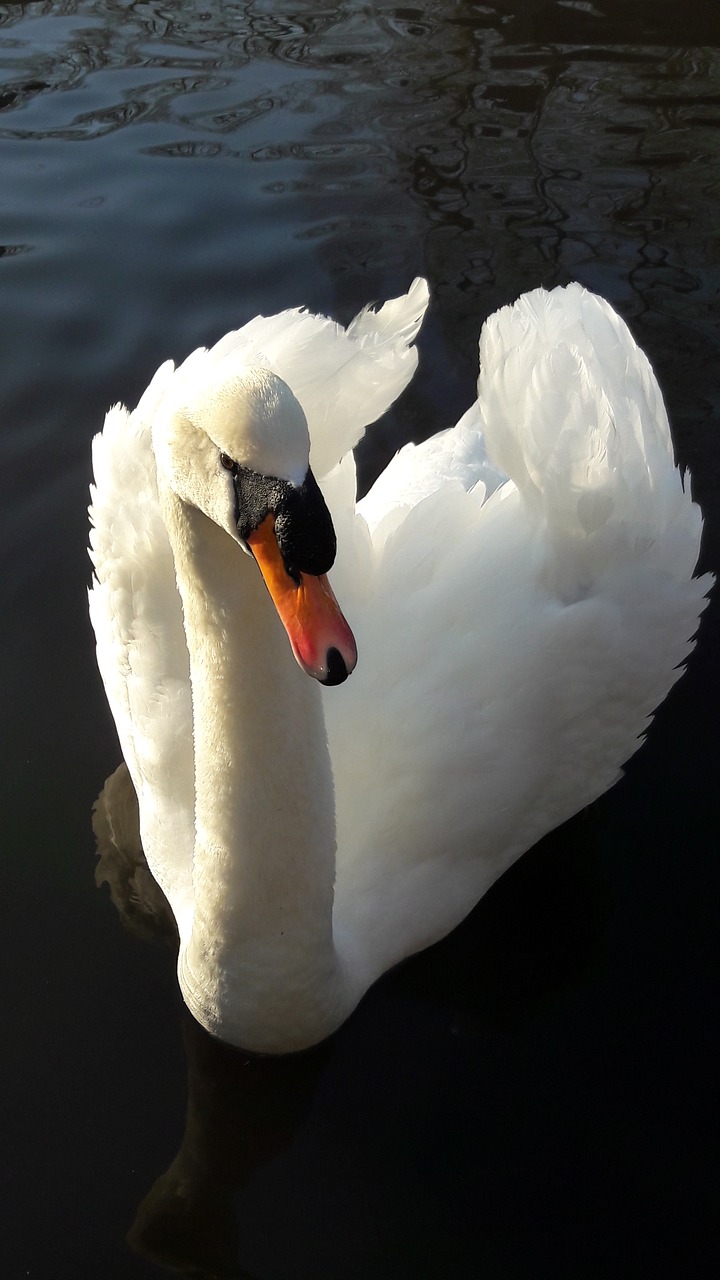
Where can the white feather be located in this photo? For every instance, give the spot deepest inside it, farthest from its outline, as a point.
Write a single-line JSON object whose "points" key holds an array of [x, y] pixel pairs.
{"points": [[521, 591]]}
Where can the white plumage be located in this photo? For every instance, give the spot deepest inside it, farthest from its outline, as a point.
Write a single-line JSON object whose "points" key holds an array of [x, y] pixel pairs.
{"points": [[514, 636]]}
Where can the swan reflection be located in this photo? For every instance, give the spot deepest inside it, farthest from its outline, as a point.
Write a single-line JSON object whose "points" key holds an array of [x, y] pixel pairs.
{"points": [[242, 1110], [390, 1109]]}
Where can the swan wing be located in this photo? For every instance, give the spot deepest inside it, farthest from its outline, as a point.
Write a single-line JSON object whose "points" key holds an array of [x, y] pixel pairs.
{"points": [[458, 455], [514, 643], [136, 612], [344, 378]]}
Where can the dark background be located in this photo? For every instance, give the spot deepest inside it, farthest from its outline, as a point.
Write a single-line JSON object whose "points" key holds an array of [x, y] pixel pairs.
{"points": [[535, 1098]]}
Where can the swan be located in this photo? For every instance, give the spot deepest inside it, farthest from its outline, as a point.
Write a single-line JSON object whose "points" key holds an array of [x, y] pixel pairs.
{"points": [[520, 597]]}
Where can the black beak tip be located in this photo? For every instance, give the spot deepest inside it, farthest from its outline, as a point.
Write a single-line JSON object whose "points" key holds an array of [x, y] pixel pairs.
{"points": [[337, 672]]}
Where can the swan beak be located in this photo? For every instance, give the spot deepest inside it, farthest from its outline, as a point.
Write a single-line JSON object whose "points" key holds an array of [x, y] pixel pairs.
{"points": [[321, 639]]}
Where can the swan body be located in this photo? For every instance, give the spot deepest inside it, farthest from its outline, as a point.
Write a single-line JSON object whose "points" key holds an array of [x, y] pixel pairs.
{"points": [[520, 589]]}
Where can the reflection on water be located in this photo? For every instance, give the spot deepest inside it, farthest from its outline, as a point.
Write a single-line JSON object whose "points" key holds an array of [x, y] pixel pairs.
{"points": [[136, 895], [169, 171], [233, 1195], [464, 111], [241, 1110]]}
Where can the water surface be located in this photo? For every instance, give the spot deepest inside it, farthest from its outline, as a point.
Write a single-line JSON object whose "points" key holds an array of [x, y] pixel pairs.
{"points": [[533, 1098]]}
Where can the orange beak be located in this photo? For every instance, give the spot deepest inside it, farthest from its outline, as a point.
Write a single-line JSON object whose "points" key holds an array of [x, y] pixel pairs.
{"points": [[321, 639]]}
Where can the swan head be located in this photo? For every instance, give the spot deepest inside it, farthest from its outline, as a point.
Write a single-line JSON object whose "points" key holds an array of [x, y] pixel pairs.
{"points": [[238, 449]]}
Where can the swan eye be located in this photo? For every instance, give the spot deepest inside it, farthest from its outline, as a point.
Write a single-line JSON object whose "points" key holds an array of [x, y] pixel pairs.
{"points": [[227, 462]]}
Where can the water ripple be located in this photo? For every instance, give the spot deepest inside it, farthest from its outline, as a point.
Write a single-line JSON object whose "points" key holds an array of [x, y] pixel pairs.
{"points": [[491, 147]]}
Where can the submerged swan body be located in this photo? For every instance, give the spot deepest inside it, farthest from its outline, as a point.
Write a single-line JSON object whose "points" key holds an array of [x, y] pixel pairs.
{"points": [[519, 587]]}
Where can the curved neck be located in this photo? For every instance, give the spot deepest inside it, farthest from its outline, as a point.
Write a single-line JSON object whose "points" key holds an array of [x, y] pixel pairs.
{"points": [[259, 966]]}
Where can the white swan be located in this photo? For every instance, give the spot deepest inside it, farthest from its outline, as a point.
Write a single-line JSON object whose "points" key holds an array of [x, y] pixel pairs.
{"points": [[514, 635]]}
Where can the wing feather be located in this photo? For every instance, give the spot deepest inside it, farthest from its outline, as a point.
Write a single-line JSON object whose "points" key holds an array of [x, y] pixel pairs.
{"points": [[513, 642], [136, 612]]}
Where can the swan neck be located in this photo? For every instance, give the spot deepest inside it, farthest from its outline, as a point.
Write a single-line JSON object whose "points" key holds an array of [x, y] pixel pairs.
{"points": [[258, 966]]}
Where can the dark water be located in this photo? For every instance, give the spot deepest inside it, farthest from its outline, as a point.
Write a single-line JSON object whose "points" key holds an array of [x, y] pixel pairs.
{"points": [[535, 1099]]}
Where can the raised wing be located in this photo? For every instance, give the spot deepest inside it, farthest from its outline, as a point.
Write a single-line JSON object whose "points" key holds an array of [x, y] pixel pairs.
{"points": [[136, 612], [343, 378], [509, 657]]}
